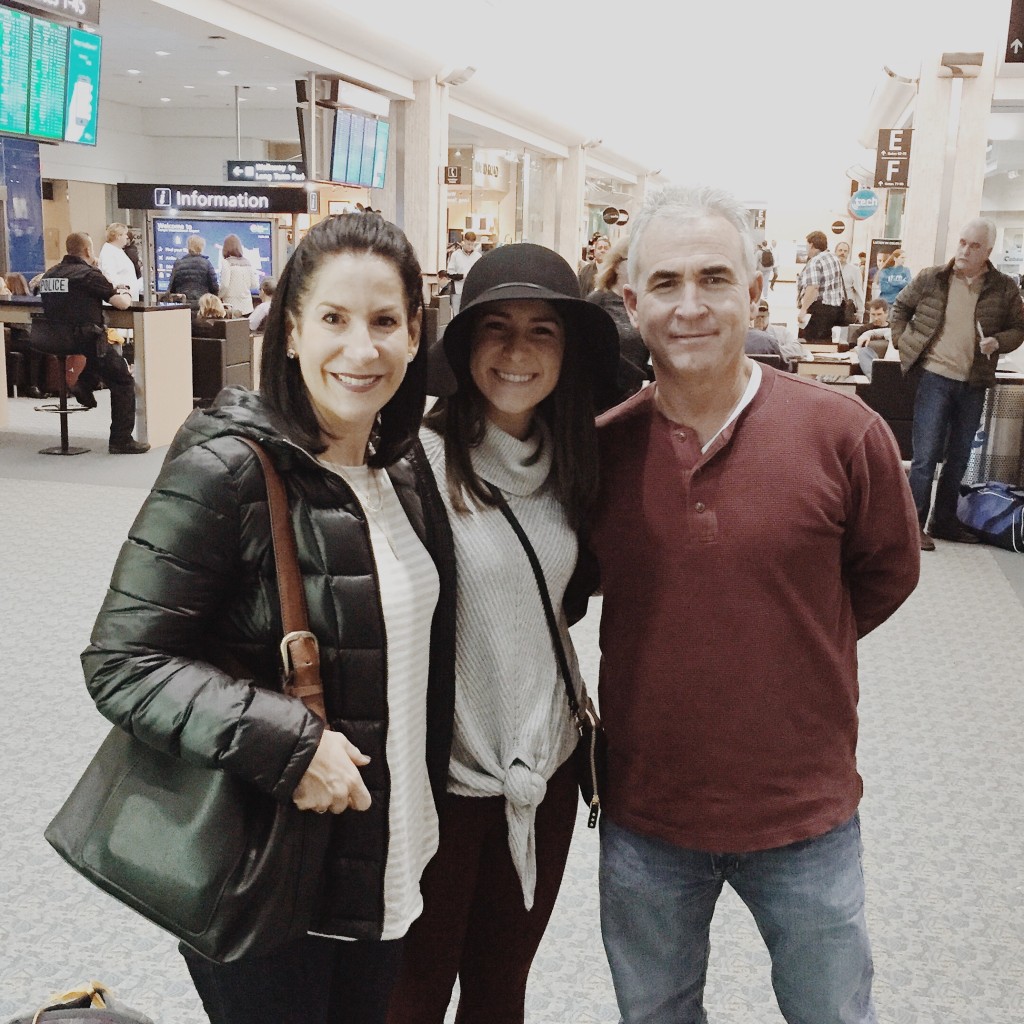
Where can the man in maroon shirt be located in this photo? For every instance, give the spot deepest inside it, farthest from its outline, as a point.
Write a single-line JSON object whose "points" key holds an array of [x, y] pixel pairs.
{"points": [[752, 526]]}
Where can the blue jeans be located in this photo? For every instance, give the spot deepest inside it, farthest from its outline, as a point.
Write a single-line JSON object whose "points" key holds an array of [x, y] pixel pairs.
{"points": [[657, 901], [943, 408]]}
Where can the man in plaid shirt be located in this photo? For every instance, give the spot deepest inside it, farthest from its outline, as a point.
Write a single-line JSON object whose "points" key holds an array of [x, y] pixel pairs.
{"points": [[819, 291]]}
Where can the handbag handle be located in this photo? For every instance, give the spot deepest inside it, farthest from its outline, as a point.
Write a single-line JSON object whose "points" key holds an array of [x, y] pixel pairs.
{"points": [[538, 572], [300, 652]]}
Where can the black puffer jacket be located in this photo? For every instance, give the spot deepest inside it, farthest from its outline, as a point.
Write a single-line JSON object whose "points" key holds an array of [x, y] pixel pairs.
{"points": [[194, 276], [184, 653], [919, 313]]}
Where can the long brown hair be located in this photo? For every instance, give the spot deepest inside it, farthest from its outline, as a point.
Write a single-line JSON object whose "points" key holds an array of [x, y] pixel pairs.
{"points": [[568, 413]]}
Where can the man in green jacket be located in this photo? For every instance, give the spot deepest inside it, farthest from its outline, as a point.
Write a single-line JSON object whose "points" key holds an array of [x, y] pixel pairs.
{"points": [[950, 325]]}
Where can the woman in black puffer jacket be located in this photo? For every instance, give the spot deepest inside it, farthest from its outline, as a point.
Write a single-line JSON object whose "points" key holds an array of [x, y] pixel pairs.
{"points": [[341, 398]]}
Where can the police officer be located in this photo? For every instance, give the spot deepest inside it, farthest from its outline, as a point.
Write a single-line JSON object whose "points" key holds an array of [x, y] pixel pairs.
{"points": [[73, 293]]}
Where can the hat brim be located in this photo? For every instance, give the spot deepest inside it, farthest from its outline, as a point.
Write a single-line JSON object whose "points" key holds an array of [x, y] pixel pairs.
{"points": [[586, 325]]}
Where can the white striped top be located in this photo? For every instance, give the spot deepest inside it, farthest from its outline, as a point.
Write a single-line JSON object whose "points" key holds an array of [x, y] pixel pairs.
{"points": [[409, 590], [513, 729]]}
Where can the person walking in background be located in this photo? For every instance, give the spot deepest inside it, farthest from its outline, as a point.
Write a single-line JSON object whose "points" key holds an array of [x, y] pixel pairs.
{"points": [[192, 274], [238, 277], [950, 325], [588, 272], [819, 291], [728, 645], [852, 277], [634, 359], [766, 264], [194, 591], [893, 277], [527, 353], [116, 267], [459, 265]]}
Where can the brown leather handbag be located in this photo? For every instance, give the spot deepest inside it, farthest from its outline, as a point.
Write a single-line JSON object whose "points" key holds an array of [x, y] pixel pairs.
{"points": [[223, 866]]}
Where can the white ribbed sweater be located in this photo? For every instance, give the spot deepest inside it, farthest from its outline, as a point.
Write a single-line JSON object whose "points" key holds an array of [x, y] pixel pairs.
{"points": [[512, 724]]}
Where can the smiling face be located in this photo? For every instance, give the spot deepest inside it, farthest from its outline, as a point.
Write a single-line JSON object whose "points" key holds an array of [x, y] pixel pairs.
{"points": [[353, 340], [515, 360], [690, 297]]}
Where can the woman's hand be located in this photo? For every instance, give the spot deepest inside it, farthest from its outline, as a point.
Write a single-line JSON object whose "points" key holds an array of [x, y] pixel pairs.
{"points": [[332, 781]]}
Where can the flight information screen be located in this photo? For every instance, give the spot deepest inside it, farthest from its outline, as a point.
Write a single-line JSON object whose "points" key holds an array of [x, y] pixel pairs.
{"points": [[15, 44], [49, 79]]}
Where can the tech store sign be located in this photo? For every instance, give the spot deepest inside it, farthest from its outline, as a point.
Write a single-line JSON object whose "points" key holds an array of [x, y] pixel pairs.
{"points": [[212, 198], [863, 204]]}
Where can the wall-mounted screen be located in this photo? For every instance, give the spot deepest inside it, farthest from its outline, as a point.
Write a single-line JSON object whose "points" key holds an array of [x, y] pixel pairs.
{"points": [[49, 79], [360, 151], [170, 242]]}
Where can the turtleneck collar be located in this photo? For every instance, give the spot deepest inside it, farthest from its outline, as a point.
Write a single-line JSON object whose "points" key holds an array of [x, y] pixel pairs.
{"points": [[514, 466]]}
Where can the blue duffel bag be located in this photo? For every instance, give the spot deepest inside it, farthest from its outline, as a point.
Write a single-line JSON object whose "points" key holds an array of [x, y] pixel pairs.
{"points": [[994, 513]]}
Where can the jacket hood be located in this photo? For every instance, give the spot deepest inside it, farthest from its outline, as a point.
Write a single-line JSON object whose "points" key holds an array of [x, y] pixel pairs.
{"points": [[238, 412]]}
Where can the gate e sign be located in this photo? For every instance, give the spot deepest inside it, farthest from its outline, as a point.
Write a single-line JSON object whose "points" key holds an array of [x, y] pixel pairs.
{"points": [[892, 159], [1015, 34]]}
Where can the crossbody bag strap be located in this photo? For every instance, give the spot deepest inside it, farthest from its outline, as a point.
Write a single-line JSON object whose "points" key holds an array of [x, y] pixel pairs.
{"points": [[300, 652], [538, 572]]}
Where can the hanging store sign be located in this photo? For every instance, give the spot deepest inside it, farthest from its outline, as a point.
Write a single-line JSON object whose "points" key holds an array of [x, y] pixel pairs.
{"points": [[212, 198], [863, 204], [838, 227], [85, 12], [892, 158]]}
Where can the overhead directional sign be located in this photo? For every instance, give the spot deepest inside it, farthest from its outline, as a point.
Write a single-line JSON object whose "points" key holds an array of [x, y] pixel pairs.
{"points": [[1015, 34], [266, 172], [892, 159]]}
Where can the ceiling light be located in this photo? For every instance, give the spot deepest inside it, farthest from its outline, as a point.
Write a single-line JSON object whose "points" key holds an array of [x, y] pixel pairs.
{"points": [[188, 86], [271, 88], [223, 72], [458, 152], [163, 53], [165, 99], [133, 71]]}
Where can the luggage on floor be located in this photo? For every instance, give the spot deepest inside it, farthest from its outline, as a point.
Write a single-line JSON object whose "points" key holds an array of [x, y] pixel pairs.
{"points": [[994, 513], [90, 1003]]}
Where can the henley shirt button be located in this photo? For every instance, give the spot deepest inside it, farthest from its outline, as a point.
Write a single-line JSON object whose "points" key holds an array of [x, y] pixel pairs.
{"points": [[700, 506], [681, 434]]}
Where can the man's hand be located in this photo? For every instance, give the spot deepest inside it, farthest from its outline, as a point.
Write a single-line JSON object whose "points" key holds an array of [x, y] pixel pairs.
{"points": [[332, 781], [988, 346]]}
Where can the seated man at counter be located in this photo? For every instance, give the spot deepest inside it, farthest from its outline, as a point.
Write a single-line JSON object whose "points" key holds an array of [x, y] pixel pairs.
{"points": [[72, 294]]}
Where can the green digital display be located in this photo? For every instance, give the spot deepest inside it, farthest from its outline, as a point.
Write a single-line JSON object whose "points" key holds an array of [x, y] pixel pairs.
{"points": [[83, 90], [15, 41], [49, 79], [49, 75]]}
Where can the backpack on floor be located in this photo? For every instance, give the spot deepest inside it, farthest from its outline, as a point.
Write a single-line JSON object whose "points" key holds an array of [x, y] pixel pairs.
{"points": [[994, 513]]}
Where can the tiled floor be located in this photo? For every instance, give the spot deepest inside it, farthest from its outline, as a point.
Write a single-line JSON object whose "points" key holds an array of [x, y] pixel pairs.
{"points": [[942, 704]]}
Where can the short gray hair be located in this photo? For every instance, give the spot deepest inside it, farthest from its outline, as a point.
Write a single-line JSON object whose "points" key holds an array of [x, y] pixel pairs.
{"points": [[987, 224], [687, 204]]}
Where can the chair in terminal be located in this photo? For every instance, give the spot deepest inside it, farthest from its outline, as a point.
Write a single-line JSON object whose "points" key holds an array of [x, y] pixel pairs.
{"points": [[57, 339], [770, 359], [221, 355], [891, 395]]}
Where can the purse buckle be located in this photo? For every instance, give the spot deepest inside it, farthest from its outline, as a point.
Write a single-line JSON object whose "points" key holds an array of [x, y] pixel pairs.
{"points": [[286, 653]]}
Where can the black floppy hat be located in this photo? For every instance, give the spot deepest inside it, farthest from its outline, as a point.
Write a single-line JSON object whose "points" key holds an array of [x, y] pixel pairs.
{"points": [[527, 271]]}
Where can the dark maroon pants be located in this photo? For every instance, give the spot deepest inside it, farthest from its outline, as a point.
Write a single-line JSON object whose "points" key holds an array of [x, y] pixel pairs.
{"points": [[474, 925]]}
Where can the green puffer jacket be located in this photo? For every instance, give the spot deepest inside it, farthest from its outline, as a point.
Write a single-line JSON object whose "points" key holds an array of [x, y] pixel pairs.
{"points": [[920, 311], [184, 652]]}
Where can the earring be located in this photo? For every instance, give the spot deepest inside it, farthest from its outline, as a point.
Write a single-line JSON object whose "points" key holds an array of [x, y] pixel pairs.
{"points": [[291, 353]]}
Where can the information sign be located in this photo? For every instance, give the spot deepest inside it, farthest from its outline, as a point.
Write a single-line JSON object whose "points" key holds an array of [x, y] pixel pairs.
{"points": [[83, 87], [85, 12], [15, 41], [863, 204], [49, 79]]}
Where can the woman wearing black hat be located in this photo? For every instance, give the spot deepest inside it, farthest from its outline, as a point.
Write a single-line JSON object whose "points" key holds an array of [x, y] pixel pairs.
{"points": [[527, 354]]}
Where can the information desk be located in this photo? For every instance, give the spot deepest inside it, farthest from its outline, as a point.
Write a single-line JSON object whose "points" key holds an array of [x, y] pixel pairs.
{"points": [[163, 362]]}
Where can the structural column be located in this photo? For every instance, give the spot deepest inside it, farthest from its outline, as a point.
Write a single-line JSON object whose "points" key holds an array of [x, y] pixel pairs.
{"points": [[423, 152], [569, 226]]}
